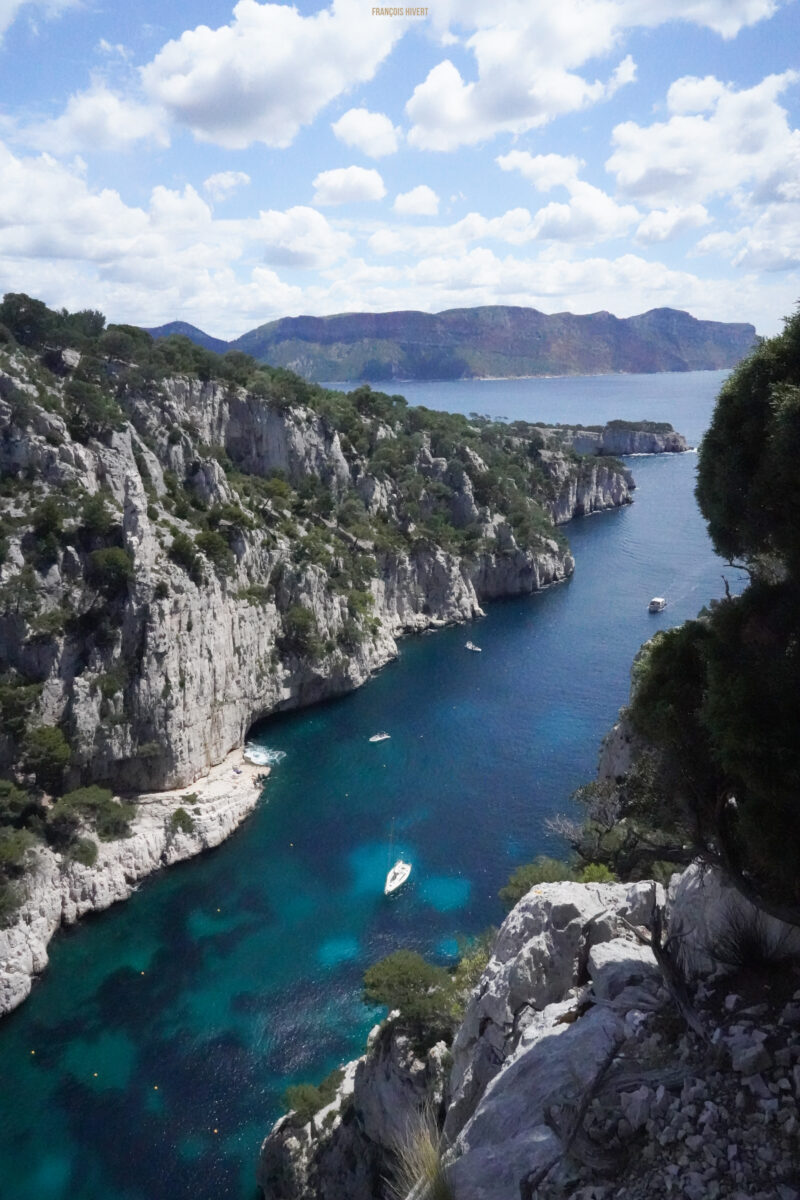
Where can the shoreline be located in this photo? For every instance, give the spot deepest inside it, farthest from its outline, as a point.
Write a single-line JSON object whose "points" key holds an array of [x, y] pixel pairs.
{"points": [[60, 892]]}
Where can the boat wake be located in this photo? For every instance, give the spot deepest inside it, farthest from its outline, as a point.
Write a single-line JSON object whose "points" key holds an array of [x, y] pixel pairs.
{"points": [[263, 756]]}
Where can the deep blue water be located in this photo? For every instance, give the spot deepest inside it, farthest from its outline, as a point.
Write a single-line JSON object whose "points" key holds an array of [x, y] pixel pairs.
{"points": [[166, 1029]]}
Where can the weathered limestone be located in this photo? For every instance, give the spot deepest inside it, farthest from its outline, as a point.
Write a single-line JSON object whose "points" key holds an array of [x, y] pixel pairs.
{"points": [[61, 892]]}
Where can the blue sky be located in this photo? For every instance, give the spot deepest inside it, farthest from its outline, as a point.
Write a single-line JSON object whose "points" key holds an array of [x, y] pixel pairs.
{"points": [[227, 164]]}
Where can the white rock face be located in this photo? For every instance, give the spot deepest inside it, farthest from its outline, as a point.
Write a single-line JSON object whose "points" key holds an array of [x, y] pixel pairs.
{"points": [[704, 907], [199, 662], [538, 1026], [61, 892], [542, 952], [344, 1150]]}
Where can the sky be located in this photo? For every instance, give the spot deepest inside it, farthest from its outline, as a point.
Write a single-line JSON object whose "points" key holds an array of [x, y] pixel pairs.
{"points": [[227, 164]]}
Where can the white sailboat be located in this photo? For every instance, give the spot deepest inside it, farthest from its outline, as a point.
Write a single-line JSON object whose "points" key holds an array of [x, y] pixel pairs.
{"points": [[397, 874], [380, 737]]}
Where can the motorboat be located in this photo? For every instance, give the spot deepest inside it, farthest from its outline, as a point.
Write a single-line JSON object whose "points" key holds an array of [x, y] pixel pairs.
{"points": [[397, 876], [657, 604], [472, 646], [380, 737]]}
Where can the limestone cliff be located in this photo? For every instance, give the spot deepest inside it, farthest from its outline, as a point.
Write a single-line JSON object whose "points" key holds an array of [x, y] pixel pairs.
{"points": [[60, 891], [569, 1078], [213, 495]]}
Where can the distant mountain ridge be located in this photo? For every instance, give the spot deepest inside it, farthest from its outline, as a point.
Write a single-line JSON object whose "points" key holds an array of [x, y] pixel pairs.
{"points": [[192, 333], [493, 341]]}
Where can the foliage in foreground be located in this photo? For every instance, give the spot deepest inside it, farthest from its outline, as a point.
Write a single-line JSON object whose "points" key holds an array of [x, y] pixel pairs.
{"points": [[551, 870], [417, 1166], [717, 698]]}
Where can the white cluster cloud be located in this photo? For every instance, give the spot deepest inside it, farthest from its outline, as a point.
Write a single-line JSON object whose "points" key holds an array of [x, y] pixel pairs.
{"points": [[739, 138], [268, 72], [348, 185], [371, 133], [301, 237], [529, 59], [544, 171], [224, 183], [662, 224], [98, 119], [421, 201], [73, 245], [720, 143], [514, 93], [590, 215]]}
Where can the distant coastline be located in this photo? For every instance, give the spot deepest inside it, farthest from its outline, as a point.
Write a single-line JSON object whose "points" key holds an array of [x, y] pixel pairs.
{"points": [[486, 343]]}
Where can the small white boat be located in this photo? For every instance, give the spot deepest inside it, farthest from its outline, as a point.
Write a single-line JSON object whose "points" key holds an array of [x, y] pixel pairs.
{"points": [[397, 876], [657, 604], [380, 737], [472, 646]]}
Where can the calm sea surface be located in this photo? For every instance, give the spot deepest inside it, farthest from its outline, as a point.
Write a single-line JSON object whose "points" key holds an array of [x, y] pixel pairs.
{"points": [[166, 1029]]}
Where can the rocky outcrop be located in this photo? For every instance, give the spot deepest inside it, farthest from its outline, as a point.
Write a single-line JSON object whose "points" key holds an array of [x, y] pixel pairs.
{"points": [[591, 486], [346, 1149], [570, 1078], [620, 438], [60, 891]]}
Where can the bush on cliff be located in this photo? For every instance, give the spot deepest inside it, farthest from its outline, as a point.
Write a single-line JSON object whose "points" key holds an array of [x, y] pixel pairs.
{"points": [[306, 1099], [46, 754], [717, 698], [96, 807], [551, 870], [423, 992]]}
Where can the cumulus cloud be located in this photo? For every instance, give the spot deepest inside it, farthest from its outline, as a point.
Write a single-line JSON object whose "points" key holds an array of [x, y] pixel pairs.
{"points": [[514, 93], [269, 72], [662, 224], [530, 60], [98, 119], [348, 185], [544, 171], [224, 183], [725, 17], [589, 216], [743, 138], [371, 133], [301, 237], [421, 201]]}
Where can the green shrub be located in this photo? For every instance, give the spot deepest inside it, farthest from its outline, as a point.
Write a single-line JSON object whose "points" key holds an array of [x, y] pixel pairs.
{"points": [[541, 870], [83, 850], [423, 992], [90, 412], [17, 701], [596, 873], [96, 518], [180, 820], [300, 633], [110, 570], [306, 1099], [96, 806], [184, 552], [217, 551], [46, 753]]}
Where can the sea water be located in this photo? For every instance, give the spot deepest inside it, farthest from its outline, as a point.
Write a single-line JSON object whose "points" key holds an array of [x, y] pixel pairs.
{"points": [[151, 1058]]}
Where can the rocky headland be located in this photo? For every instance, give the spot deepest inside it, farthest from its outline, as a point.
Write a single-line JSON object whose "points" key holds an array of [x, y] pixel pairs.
{"points": [[573, 1075]]}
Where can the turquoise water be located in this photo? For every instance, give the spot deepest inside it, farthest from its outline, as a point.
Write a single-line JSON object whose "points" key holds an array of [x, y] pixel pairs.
{"points": [[166, 1029]]}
